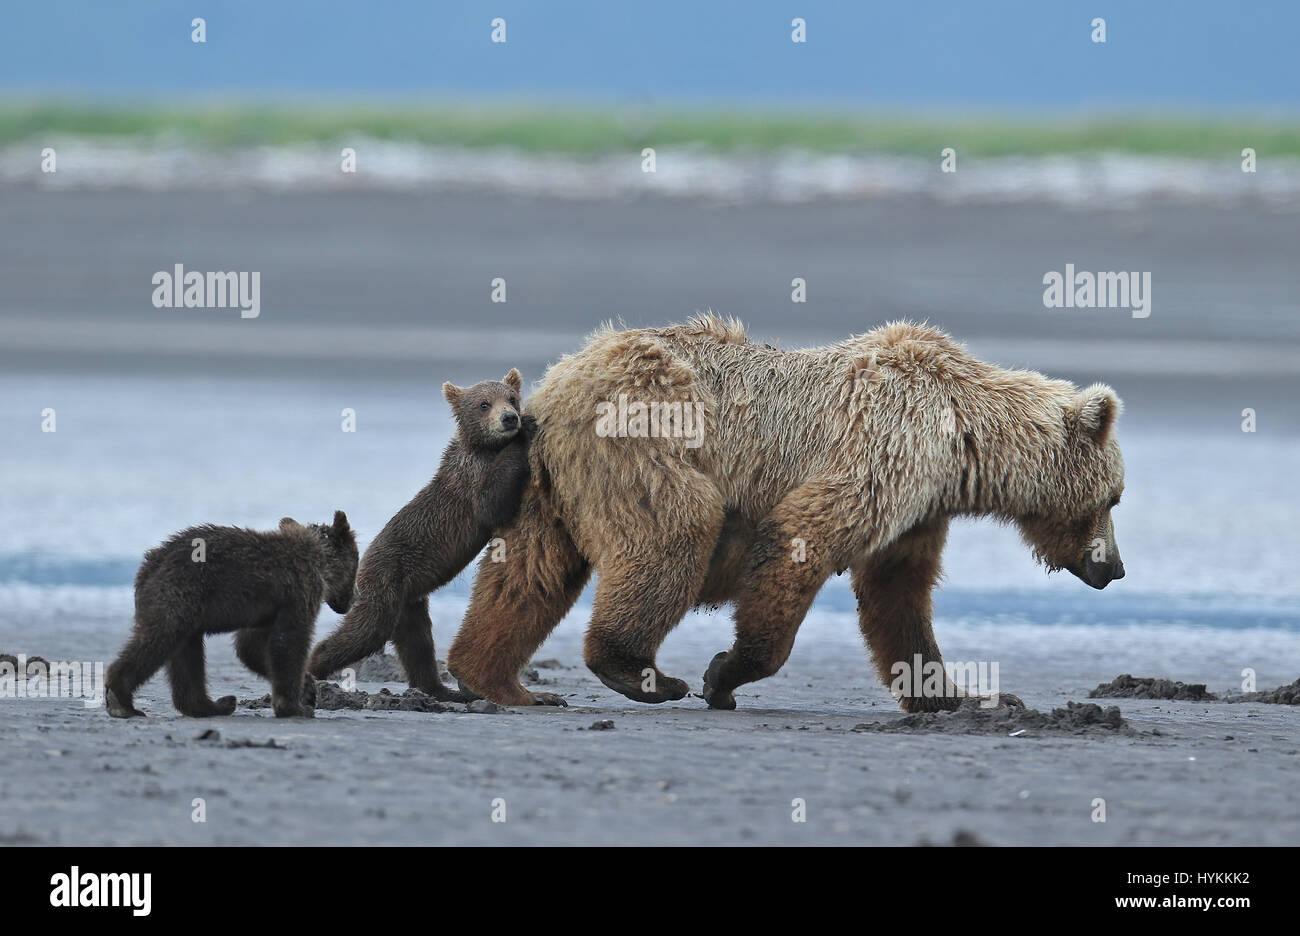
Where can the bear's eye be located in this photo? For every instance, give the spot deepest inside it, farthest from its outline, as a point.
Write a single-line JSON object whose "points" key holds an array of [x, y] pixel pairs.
{"points": [[514, 402], [485, 405]]}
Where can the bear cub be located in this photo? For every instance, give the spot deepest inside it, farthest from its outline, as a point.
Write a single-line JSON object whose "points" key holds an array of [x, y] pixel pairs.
{"points": [[427, 543], [267, 587]]}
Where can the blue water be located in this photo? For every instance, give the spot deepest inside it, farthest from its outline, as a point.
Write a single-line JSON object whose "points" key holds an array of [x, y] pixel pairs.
{"points": [[1006, 54]]}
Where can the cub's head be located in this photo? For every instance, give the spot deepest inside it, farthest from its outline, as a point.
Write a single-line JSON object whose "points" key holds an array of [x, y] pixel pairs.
{"points": [[488, 414], [340, 543], [1072, 527]]}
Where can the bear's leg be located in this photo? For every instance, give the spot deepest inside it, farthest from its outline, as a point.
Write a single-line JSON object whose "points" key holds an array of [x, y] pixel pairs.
{"points": [[187, 672], [794, 551], [289, 643], [516, 603], [645, 587], [639, 599], [413, 639], [894, 588], [253, 647], [151, 645], [367, 627]]}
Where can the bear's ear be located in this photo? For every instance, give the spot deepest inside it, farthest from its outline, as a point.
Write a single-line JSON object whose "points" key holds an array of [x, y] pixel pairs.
{"points": [[452, 392], [288, 523], [341, 528], [513, 380], [1099, 407]]}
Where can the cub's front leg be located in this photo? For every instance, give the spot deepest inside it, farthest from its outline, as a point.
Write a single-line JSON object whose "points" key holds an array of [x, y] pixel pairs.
{"points": [[503, 484]]}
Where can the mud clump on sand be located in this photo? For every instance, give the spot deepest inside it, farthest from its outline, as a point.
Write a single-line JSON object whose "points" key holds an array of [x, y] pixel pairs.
{"points": [[212, 736], [1146, 687], [1077, 718], [331, 698], [1282, 695], [381, 668]]}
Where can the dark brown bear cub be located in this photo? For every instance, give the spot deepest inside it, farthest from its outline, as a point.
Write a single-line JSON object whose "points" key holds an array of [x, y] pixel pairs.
{"points": [[478, 487], [265, 586]]}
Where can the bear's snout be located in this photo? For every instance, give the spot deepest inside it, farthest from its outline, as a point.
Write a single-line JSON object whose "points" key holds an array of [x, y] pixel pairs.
{"points": [[510, 420], [1100, 574]]}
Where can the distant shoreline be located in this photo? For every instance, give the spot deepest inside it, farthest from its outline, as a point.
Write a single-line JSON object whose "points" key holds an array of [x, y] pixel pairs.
{"points": [[599, 129]]}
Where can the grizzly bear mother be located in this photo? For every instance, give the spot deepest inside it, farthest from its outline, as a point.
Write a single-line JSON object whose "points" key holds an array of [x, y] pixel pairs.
{"points": [[851, 456]]}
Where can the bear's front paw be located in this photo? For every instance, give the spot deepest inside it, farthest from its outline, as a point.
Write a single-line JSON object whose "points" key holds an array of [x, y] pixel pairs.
{"points": [[224, 706], [714, 694]]}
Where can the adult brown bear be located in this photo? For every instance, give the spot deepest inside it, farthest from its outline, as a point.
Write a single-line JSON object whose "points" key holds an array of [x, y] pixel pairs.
{"points": [[851, 456]]}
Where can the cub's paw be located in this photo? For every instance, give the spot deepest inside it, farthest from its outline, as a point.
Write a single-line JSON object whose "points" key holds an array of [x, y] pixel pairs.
{"points": [[286, 709], [119, 709], [717, 697], [309, 691]]}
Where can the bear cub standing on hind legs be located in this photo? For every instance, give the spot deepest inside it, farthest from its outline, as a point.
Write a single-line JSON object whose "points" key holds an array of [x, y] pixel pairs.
{"points": [[426, 544], [266, 586]]}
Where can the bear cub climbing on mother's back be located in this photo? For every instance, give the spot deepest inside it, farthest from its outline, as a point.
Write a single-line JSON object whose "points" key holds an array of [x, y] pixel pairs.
{"points": [[426, 544], [266, 586]]}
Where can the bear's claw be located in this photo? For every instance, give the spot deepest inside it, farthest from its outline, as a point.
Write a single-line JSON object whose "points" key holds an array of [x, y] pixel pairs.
{"points": [[548, 698]]}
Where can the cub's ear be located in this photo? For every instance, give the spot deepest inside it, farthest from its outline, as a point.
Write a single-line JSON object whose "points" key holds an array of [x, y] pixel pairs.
{"points": [[341, 528], [513, 379], [288, 523], [1099, 407], [452, 392]]}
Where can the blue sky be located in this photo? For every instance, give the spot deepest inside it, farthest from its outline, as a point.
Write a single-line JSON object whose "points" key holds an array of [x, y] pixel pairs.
{"points": [[1003, 55]]}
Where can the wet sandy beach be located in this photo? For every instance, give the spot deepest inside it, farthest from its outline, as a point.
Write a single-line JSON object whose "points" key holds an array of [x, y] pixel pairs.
{"points": [[170, 417]]}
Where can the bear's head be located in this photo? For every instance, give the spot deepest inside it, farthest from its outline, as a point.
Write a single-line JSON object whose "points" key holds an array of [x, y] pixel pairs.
{"points": [[341, 556], [1071, 527], [488, 414]]}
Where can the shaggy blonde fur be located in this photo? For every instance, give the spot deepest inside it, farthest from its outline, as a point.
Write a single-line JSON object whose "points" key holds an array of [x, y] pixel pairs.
{"points": [[850, 456]]}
